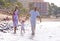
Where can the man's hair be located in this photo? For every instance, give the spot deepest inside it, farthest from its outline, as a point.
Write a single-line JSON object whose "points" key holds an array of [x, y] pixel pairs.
{"points": [[35, 8]]}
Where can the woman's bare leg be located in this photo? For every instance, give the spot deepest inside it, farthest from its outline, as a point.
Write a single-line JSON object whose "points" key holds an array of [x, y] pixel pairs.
{"points": [[14, 30]]}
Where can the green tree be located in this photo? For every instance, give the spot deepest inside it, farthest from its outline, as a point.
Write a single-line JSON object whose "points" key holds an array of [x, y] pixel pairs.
{"points": [[7, 5], [24, 10], [31, 5], [53, 9], [2, 2], [19, 4]]}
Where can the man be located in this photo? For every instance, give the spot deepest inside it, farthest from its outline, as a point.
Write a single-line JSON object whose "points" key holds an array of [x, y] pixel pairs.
{"points": [[34, 13]]}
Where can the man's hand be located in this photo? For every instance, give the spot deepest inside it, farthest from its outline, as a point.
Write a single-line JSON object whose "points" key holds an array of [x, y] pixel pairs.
{"points": [[40, 19]]}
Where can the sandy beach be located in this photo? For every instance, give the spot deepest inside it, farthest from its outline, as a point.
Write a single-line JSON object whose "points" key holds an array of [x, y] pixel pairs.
{"points": [[2, 16]]}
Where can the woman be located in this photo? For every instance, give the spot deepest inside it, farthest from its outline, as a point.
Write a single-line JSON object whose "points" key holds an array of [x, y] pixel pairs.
{"points": [[15, 18]]}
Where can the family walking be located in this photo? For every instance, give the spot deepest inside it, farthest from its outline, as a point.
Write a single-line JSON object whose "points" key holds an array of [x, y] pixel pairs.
{"points": [[33, 15]]}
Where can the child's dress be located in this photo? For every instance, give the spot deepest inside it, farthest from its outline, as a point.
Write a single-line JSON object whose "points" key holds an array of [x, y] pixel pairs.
{"points": [[22, 25]]}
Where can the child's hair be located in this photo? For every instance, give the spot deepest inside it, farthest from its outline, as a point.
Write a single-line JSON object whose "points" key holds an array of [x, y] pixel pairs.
{"points": [[23, 20]]}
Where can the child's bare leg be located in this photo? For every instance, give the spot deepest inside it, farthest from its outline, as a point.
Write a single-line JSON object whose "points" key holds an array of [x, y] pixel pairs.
{"points": [[24, 30], [21, 30]]}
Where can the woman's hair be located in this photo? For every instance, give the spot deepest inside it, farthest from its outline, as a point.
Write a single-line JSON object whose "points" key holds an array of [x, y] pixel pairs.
{"points": [[15, 9]]}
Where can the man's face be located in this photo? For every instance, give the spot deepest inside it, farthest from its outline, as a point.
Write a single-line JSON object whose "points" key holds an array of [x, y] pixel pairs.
{"points": [[35, 8]]}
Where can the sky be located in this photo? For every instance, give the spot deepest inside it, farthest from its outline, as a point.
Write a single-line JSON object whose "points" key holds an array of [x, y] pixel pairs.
{"points": [[56, 2]]}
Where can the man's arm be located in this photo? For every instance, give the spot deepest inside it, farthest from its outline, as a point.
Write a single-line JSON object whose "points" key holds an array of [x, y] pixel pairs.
{"points": [[39, 16]]}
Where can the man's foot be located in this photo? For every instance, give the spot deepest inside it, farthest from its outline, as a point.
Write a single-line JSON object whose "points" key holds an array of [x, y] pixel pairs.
{"points": [[22, 34], [14, 33], [24, 31], [32, 36]]}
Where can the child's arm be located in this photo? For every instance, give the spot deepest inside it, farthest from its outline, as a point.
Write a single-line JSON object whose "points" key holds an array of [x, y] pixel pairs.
{"points": [[27, 16], [19, 19]]}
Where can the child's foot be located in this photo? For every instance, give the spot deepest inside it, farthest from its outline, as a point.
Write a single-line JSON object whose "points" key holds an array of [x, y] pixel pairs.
{"points": [[21, 34], [24, 31]]}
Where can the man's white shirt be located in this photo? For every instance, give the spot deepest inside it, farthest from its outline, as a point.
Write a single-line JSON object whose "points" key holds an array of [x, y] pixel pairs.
{"points": [[34, 14]]}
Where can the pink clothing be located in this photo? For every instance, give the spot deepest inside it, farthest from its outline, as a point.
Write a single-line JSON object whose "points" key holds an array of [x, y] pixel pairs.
{"points": [[15, 18]]}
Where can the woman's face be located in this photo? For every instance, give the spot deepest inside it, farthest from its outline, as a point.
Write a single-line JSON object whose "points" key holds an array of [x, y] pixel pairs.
{"points": [[16, 7]]}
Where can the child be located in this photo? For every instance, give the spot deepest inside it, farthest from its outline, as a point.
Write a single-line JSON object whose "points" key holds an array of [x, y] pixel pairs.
{"points": [[22, 21]]}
